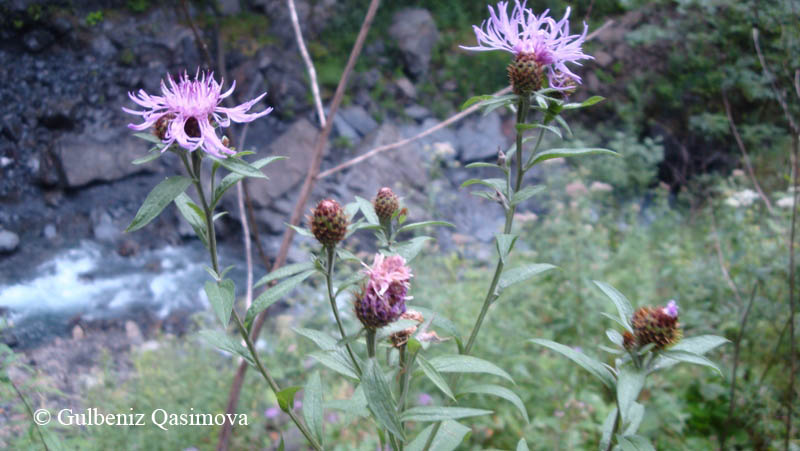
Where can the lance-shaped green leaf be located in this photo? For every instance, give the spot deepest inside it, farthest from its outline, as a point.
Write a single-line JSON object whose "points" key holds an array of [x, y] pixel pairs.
{"points": [[694, 345], [451, 434], [321, 339], [635, 417], [234, 177], [273, 294], [634, 443], [149, 137], [588, 102], [228, 344], [629, 384], [241, 167], [500, 392], [475, 99], [521, 274], [622, 303], [356, 405], [440, 322], [350, 281], [419, 225], [193, 215], [312, 405], [411, 248], [440, 413], [615, 337], [300, 230], [380, 399], [368, 210], [550, 128], [435, 377], [286, 397], [152, 154], [495, 184], [467, 364], [284, 271], [505, 243], [589, 364], [522, 445], [566, 153], [525, 194], [158, 199], [221, 296], [608, 430], [688, 357], [336, 360], [481, 164]]}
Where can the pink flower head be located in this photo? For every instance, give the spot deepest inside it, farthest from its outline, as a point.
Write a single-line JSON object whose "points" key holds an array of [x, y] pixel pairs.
{"points": [[523, 32], [671, 309], [187, 108], [386, 271]]}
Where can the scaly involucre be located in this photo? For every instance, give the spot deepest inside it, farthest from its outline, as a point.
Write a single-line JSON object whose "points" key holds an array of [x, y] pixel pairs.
{"points": [[383, 299], [188, 110], [524, 33]]}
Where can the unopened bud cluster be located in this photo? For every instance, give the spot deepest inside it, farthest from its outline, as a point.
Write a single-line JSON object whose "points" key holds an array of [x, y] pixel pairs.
{"points": [[385, 204], [328, 222], [656, 325]]}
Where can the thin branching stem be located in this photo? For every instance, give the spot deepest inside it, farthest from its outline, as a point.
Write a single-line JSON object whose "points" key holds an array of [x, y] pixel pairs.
{"points": [[331, 258]]}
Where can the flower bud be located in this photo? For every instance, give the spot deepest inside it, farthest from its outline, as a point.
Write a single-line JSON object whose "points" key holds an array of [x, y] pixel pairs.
{"points": [[525, 74], [628, 340], [385, 204], [501, 158], [328, 222], [400, 338], [375, 310], [657, 325], [161, 126]]}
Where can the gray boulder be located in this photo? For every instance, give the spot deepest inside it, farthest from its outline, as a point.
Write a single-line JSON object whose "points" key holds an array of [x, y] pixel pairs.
{"points": [[414, 31], [480, 137], [9, 241], [99, 154]]}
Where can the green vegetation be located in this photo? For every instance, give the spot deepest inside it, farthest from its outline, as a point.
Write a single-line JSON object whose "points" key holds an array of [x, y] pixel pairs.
{"points": [[94, 18]]}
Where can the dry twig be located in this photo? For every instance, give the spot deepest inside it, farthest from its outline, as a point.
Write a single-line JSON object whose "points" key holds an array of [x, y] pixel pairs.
{"points": [[312, 73]]}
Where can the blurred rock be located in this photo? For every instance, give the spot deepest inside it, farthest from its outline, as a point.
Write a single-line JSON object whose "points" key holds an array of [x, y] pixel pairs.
{"points": [[133, 332], [399, 166], [479, 138], [415, 33], [9, 241], [37, 40], [358, 118], [229, 7], [297, 143], [99, 155]]}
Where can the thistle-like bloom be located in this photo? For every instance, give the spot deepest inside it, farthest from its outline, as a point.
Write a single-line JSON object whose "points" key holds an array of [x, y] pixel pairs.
{"points": [[386, 271], [657, 325], [671, 309], [383, 298], [531, 38], [184, 112]]}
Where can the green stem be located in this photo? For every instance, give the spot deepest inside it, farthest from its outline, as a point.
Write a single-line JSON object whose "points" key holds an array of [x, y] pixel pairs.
{"points": [[371, 343], [194, 171], [30, 412], [272, 384], [331, 254], [523, 107]]}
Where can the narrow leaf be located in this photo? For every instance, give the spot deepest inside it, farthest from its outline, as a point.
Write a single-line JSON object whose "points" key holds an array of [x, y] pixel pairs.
{"points": [[450, 435], [589, 364], [620, 301], [481, 164], [411, 248], [440, 413], [417, 225], [435, 377], [635, 417], [273, 294], [312, 405], [379, 398], [149, 137], [615, 337], [368, 210], [467, 364], [521, 274], [337, 361], [228, 344], [522, 445], [221, 296], [629, 384], [525, 194], [608, 430], [153, 154], [197, 221], [155, 202], [505, 243], [567, 153], [234, 177], [500, 392], [321, 339], [634, 443], [284, 271], [241, 167], [689, 357], [475, 99]]}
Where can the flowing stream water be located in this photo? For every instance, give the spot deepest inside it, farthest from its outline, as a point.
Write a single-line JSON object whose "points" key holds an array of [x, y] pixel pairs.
{"points": [[90, 282]]}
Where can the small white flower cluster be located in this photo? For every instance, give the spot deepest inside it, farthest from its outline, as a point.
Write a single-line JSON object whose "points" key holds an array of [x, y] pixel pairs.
{"points": [[743, 198]]}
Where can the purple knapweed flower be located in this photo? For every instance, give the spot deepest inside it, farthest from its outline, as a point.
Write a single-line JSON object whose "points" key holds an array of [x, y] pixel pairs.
{"points": [[671, 309], [424, 399], [531, 38], [383, 299], [184, 112]]}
